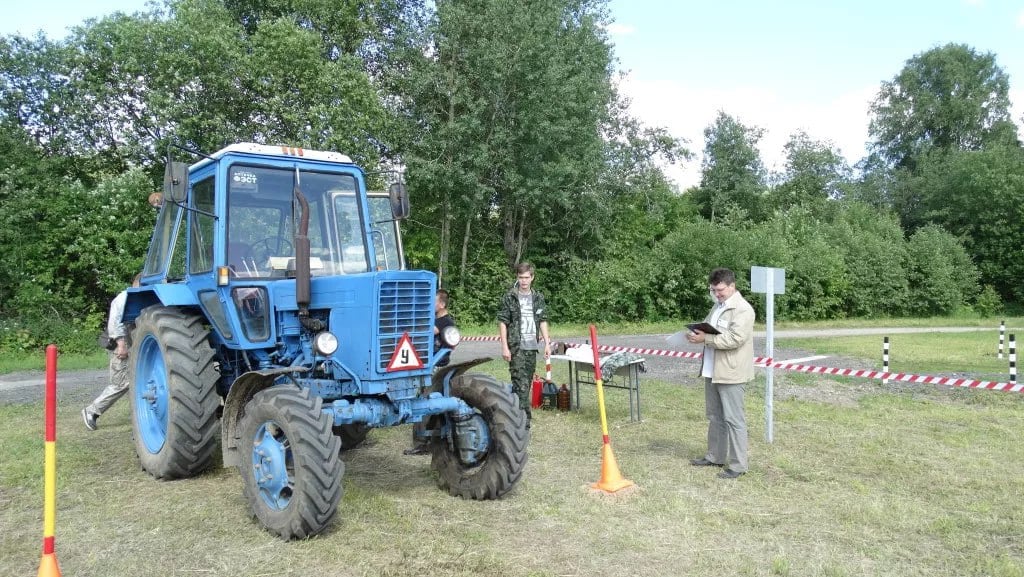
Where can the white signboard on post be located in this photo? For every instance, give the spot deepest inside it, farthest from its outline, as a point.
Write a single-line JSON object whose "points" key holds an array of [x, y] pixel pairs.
{"points": [[771, 282]]}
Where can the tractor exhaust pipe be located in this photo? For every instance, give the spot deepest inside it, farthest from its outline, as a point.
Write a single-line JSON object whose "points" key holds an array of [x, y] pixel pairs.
{"points": [[302, 275]]}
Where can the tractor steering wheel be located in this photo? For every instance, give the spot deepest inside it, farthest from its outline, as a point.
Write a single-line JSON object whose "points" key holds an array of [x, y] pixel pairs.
{"points": [[262, 250]]}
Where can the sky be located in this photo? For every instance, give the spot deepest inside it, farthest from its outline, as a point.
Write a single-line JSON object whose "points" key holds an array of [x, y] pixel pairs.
{"points": [[778, 65]]}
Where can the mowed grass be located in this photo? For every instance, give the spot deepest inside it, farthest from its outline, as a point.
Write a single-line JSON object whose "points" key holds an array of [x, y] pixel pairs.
{"points": [[923, 353], [923, 482]]}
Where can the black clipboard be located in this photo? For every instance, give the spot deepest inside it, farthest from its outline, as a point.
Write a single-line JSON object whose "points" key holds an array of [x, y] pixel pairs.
{"points": [[704, 328]]}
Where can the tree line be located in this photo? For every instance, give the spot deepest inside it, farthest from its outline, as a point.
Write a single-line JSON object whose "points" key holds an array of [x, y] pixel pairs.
{"points": [[517, 145]]}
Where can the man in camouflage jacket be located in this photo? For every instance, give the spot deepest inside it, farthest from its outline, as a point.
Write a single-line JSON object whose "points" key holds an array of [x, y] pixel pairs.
{"points": [[523, 330]]}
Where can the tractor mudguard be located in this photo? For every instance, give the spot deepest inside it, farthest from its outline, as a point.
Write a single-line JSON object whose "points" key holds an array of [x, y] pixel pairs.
{"points": [[241, 391], [166, 294], [444, 375]]}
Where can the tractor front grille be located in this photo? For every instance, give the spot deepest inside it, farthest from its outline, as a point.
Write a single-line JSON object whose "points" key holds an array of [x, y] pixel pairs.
{"points": [[406, 306]]}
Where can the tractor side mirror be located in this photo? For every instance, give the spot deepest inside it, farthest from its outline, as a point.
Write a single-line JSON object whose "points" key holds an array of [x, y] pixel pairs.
{"points": [[176, 181], [399, 200]]}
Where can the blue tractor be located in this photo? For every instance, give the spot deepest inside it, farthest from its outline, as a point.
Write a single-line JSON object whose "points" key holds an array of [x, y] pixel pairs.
{"points": [[276, 319]]}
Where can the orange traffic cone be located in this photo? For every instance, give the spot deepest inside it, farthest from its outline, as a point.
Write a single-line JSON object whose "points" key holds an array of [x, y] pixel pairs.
{"points": [[611, 479], [48, 566]]}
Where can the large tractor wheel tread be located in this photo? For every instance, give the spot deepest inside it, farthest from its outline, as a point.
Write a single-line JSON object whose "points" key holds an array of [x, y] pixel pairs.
{"points": [[173, 360], [502, 466], [302, 498]]}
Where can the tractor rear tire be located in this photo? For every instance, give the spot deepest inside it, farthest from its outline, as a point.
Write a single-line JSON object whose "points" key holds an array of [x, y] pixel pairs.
{"points": [[172, 388], [351, 435], [497, 471], [291, 471]]}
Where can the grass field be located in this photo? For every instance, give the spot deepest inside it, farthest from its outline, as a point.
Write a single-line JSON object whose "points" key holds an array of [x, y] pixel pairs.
{"points": [[862, 481]]}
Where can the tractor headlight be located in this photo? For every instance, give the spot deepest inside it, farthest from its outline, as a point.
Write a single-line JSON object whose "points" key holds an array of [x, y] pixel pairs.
{"points": [[450, 336], [326, 343]]}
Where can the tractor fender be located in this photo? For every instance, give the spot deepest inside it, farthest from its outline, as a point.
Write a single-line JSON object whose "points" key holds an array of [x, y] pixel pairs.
{"points": [[442, 377], [166, 294], [241, 391]]}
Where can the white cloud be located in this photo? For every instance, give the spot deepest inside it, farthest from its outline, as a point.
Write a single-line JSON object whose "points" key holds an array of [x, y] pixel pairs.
{"points": [[1017, 108], [686, 112], [618, 30], [1020, 19]]}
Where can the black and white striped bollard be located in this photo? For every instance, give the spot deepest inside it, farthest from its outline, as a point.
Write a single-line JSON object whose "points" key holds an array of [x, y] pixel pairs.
{"points": [[1013, 360], [885, 359], [1002, 333]]}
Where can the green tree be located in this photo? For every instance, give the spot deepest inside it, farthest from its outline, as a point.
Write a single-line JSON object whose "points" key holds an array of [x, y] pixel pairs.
{"points": [[977, 196], [940, 273], [126, 85], [816, 277], [815, 172], [636, 204], [873, 249], [733, 175], [507, 105], [950, 98]]}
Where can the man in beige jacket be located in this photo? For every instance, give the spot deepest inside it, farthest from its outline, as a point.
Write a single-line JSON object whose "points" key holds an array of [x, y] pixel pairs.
{"points": [[728, 366]]}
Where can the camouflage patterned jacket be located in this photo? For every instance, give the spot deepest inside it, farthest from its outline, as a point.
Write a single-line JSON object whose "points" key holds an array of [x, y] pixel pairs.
{"points": [[508, 313]]}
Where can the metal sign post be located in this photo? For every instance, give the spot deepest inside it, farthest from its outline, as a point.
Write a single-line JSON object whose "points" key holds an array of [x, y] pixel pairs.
{"points": [[771, 282]]}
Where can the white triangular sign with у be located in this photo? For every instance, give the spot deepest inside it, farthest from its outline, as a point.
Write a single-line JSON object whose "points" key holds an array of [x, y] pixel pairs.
{"points": [[405, 357]]}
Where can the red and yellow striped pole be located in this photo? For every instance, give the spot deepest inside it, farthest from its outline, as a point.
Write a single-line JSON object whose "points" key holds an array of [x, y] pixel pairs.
{"points": [[611, 479], [48, 564]]}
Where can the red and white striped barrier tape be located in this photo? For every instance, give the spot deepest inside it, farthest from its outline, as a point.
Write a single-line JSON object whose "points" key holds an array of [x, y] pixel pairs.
{"points": [[906, 378], [640, 351], [765, 362]]}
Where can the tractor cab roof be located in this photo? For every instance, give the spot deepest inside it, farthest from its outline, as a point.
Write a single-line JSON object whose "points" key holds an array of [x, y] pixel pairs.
{"points": [[269, 150]]}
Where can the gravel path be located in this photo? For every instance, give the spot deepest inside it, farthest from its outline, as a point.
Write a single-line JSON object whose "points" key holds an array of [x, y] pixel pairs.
{"points": [[82, 386]]}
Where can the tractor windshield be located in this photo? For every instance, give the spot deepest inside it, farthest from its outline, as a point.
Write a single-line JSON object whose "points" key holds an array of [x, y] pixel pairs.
{"points": [[263, 215]]}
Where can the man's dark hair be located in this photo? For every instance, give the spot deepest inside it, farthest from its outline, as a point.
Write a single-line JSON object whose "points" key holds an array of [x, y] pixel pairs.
{"points": [[442, 295], [721, 276]]}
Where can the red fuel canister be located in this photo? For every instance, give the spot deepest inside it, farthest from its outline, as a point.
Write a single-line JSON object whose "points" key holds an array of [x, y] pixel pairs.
{"points": [[535, 392]]}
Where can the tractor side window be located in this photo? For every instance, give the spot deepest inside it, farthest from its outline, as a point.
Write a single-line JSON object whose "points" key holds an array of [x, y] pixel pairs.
{"points": [[202, 228], [386, 237], [176, 270], [350, 233], [164, 235]]}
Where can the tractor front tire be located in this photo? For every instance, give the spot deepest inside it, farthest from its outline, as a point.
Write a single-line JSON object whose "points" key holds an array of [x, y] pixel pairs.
{"points": [[499, 468], [172, 388], [291, 472]]}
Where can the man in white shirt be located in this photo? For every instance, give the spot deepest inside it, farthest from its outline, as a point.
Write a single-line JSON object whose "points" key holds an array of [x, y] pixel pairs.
{"points": [[118, 334], [728, 366]]}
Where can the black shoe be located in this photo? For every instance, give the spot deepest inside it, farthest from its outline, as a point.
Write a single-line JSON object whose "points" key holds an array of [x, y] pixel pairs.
{"points": [[703, 462], [417, 450], [90, 419], [729, 474]]}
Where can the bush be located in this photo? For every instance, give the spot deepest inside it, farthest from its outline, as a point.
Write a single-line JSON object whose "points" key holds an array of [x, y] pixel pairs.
{"points": [[874, 252], [988, 303], [32, 335], [940, 274]]}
